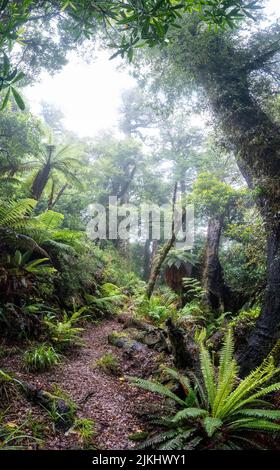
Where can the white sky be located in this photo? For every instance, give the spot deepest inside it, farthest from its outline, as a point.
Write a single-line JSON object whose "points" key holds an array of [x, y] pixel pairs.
{"points": [[89, 95]]}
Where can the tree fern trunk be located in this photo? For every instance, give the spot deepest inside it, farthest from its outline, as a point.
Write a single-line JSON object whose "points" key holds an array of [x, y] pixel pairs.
{"points": [[40, 182]]}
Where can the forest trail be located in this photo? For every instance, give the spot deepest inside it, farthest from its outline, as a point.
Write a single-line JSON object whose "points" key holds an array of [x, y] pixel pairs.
{"points": [[106, 399]]}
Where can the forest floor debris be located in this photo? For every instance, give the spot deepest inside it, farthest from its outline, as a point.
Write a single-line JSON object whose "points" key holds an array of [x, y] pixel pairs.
{"points": [[104, 398]]}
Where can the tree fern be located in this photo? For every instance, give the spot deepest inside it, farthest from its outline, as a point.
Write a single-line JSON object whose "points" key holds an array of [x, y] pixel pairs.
{"points": [[13, 214]]}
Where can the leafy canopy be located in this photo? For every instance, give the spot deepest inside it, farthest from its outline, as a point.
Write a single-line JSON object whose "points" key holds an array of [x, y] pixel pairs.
{"points": [[132, 23]]}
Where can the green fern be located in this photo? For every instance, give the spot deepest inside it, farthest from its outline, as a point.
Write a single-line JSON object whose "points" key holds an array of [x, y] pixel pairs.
{"points": [[224, 409], [156, 387]]}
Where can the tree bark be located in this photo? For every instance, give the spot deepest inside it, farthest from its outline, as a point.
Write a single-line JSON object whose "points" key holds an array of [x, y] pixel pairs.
{"points": [[216, 291], [40, 182], [147, 260], [158, 261], [185, 357], [255, 139], [52, 201], [266, 331], [43, 175]]}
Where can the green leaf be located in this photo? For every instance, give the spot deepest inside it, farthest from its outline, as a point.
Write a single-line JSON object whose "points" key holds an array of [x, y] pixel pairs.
{"points": [[211, 425], [18, 257], [6, 99], [155, 387], [19, 77], [6, 65], [18, 99], [260, 413], [189, 413]]}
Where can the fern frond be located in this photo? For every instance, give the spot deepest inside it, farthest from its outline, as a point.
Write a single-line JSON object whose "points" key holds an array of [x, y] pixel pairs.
{"points": [[227, 375], [211, 425], [189, 413], [208, 374], [260, 413], [193, 443], [155, 387], [253, 381], [259, 424], [158, 439], [172, 444], [182, 379], [50, 219], [226, 356], [12, 212]]}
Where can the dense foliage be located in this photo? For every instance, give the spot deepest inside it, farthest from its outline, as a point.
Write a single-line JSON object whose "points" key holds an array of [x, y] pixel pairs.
{"points": [[198, 134]]}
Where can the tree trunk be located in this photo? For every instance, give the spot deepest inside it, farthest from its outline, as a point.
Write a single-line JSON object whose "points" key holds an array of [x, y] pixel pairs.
{"points": [[147, 260], [184, 352], [52, 201], [266, 331], [216, 292], [158, 261], [40, 182], [158, 264], [255, 139]]}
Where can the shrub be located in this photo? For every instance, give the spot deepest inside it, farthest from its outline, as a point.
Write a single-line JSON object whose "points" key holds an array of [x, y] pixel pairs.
{"points": [[85, 430], [109, 299], [158, 308], [62, 332], [21, 322], [193, 289], [246, 317], [109, 363], [218, 411], [40, 358]]}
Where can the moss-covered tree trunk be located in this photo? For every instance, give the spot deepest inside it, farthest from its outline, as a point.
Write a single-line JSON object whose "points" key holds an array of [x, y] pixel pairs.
{"points": [[266, 331], [159, 260], [216, 291], [147, 260], [255, 140]]}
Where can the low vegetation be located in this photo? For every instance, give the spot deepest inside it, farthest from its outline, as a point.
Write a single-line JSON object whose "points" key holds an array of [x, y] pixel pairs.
{"points": [[40, 358], [109, 363], [217, 411]]}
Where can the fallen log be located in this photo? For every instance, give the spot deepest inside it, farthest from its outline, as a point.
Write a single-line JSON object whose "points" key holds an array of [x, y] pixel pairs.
{"points": [[61, 410]]}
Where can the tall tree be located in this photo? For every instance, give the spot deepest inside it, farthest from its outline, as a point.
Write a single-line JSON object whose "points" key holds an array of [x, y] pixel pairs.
{"points": [[225, 67], [217, 201]]}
